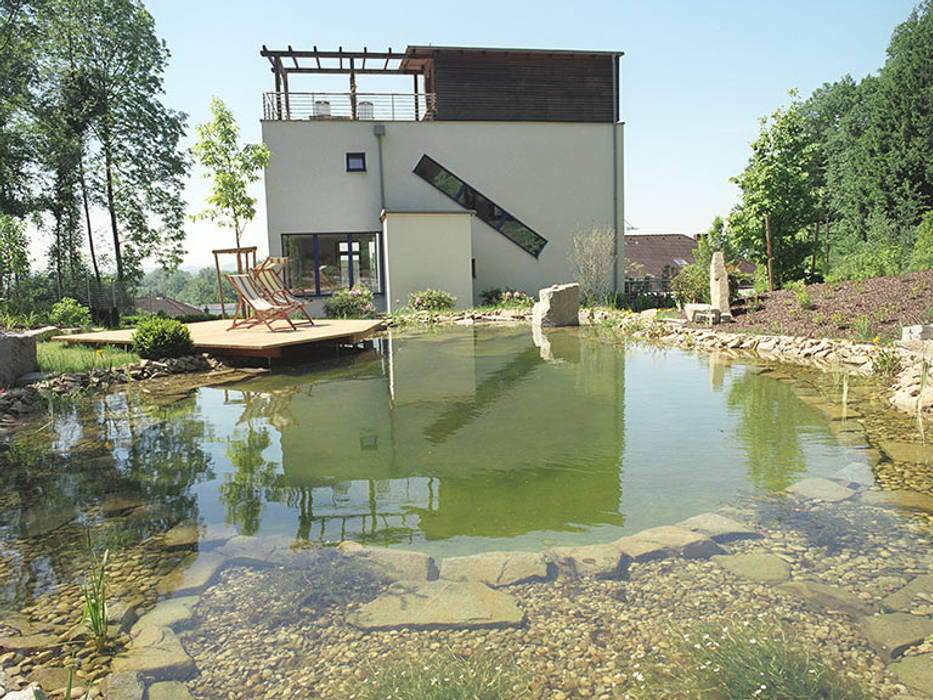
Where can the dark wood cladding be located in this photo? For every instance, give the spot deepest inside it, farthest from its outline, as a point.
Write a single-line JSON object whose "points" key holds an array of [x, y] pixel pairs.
{"points": [[552, 88]]}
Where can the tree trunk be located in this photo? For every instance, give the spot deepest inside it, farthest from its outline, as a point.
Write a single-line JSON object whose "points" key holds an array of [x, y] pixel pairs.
{"points": [[111, 206], [90, 233]]}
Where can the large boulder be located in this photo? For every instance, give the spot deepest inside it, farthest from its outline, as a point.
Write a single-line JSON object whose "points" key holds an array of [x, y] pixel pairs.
{"points": [[558, 305], [17, 357], [719, 284]]}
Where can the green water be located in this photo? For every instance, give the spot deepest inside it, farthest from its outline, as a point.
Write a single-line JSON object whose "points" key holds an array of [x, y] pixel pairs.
{"points": [[450, 442]]}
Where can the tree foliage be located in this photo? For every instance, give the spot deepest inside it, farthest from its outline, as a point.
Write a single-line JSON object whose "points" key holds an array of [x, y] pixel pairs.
{"points": [[14, 257], [231, 168]]}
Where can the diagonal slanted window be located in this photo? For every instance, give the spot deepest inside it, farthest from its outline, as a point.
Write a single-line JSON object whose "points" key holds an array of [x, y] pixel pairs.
{"points": [[486, 210]]}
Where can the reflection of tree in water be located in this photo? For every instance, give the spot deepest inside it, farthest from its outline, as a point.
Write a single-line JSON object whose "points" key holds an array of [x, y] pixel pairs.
{"points": [[769, 420], [254, 481]]}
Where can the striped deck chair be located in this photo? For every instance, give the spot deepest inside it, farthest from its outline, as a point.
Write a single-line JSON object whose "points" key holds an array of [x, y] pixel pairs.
{"points": [[252, 297], [270, 274]]}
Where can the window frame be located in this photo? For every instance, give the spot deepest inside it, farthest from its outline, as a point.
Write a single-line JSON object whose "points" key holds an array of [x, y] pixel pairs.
{"points": [[351, 240], [361, 156]]}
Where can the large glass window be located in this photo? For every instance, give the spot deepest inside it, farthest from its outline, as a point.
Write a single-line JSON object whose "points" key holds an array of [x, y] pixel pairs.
{"points": [[486, 210], [324, 262]]}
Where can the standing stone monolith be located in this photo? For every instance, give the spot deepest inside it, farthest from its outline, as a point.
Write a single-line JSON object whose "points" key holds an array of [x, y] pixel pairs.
{"points": [[558, 305], [719, 284]]}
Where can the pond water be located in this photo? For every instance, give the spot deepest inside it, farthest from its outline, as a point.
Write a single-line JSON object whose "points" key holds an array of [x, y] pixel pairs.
{"points": [[448, 442]]}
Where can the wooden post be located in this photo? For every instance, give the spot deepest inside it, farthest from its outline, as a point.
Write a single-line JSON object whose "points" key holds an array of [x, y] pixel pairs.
{"points": [[816, 242], [220, 286], [352, 89], [826, 228], [770, 259]]}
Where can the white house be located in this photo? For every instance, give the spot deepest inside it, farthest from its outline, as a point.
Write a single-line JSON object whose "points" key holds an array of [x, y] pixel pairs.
{"points": [[475, 179]]}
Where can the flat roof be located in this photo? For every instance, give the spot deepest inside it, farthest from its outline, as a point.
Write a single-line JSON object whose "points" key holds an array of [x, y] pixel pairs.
{"points": [[428, 50]]}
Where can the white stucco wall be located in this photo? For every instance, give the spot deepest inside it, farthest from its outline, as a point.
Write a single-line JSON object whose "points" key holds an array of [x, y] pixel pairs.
{"points": [[427, 250], [554, 177]]}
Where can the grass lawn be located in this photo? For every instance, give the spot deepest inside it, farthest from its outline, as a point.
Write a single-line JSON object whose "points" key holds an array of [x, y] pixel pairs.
{"points": [[61, 358]]}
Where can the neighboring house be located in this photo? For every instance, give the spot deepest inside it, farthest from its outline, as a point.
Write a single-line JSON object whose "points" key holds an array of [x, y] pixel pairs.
{"points": [[652, 260], [168, 306], [475, 179]]}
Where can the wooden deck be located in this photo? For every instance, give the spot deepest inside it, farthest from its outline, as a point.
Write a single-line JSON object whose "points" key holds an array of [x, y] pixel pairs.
{"points": [[258, 341]]}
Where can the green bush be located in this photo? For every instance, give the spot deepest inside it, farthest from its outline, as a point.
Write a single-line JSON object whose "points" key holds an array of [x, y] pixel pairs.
{"points": [[156, 338], [490, 297], [350, 303], [68, 313], [691, 285], [922, 256], [870, 260], [431, 300]]}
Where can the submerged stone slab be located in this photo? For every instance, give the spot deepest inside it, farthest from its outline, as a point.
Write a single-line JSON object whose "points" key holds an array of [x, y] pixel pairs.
{"points": [[717, 527], [917, 592], [116, 503], [438, 604], [911, 500], [157, 655], [602, 561], [192, 575], [916, 672], [41, 520], [173, 613], [495, 568], [891, 634], [856, 473], [189, 534], [910, 452], [665, 541], [393, 564], [821, 595], [266, 551], [123, 685], [169, 690], [821, 490], [758, 566], [29, 642]]}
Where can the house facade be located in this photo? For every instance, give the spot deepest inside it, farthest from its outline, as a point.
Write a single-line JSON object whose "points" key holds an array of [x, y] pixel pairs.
{"points": [[476, 179]]}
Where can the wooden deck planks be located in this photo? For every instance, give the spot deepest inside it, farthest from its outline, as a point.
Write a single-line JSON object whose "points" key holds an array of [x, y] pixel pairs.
{"points": [[258, 341]]}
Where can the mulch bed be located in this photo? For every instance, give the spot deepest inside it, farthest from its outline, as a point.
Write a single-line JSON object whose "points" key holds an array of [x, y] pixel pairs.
{"points": [[865, 310]]}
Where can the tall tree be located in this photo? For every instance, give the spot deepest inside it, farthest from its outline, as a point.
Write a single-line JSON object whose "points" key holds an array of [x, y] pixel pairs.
{"points": [[230, 167], [14, 257]]}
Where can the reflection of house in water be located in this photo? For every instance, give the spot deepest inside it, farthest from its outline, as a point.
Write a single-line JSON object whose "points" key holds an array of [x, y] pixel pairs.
{"points": [[468, 433]]}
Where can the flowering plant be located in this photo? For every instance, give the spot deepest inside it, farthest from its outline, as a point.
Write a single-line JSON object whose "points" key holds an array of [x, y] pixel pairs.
{"points": [[431, 300], [350, 303]]}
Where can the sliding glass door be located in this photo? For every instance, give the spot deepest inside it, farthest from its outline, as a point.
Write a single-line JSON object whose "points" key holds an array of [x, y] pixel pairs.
{"points": [[321, 263]]}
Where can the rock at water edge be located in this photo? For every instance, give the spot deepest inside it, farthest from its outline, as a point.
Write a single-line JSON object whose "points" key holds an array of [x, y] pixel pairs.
{"points": [[893, 633], [911, 500], [602, 561], [827, 597], [192, 575], [717, 527], [173, 613], [123, 685], [821, 490], [558, 305], [393, 564], [495, 568], [916, 672], [169, 690], [17, 357], [920, 590], [667, 540], [438, 604]]}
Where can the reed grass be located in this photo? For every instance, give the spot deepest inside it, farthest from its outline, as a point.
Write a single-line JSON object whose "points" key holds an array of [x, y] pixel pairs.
{"points": [[95, 600], [62, 358]]}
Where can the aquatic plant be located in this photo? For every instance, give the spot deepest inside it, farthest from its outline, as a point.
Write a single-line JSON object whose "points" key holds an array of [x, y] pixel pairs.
{"points": [[95, 599], [444, 675], [884, 362], [737, 660]]}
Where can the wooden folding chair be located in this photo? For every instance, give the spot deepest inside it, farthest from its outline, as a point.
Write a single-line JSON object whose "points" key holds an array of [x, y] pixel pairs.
{"points": [[270, 274], [264, 309]]}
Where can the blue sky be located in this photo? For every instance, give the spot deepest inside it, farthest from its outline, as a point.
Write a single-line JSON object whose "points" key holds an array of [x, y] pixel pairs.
{"points": [[696, 76]]}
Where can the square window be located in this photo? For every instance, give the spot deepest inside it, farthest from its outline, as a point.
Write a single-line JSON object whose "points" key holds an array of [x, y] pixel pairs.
{"points": [[356, 162]]}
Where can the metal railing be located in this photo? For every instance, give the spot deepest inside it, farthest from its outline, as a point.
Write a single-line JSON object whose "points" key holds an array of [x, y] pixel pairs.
{"points": [[291, 106]]}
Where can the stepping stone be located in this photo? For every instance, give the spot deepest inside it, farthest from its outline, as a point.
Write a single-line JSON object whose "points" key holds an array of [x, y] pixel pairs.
{"points": [[717, 527], [157, 655], [761, 567], [49, 677], [601, 561], [891, 634], [169, 690], [122, 685], [193, 575], [41, 520], [173, 613], [266, 551], [916, 672], [392, 564], [919, 591], [856, 473], [827, 597], [116, 503], [29, 642], [438, 604], [495, 568], [189, 534], [837, 411], [821, 490], [665, 541], [911, 452], [911, 500]]}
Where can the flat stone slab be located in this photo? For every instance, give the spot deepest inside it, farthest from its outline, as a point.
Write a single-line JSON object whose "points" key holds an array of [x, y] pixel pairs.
{"points": [[910, 452], [837, 411], [917, 592], [821, 490], [495, 568], [266, 551], [916, 672], [41, 520], [760, 566], [821, 595], [123, 686], [189, 534], [891, 634], [116, 503], [602, 561], [856, 473], [392, 564], [169, 690], [438, 604], [665, 541], [157, 655], [173, 613], [717, 527], [911, 500], [29, 642], [193, 575]]}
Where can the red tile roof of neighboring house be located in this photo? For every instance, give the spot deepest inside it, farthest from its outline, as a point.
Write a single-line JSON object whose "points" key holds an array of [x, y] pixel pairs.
{"points": [[663, 255], [168, 306]]}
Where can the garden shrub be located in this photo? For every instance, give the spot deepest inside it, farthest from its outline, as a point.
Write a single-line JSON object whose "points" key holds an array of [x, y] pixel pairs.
{"points": [[156, 338], [691, 285], [490, 297], [431, 300], [516, 299], [68, 313], [350, 303], [922, 256], [874, 260]]}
